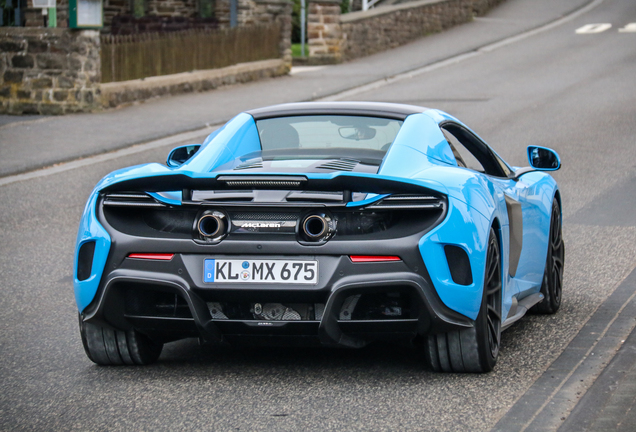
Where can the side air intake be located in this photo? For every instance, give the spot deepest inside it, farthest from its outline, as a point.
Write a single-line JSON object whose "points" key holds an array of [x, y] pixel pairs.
{"points": [[459, 265], [85, 260]]}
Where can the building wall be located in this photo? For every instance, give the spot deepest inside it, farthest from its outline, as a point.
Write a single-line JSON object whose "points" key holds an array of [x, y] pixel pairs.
{"points": [[48, 71], [324, 31], [172, 8], [58, 70], [333, 37]]}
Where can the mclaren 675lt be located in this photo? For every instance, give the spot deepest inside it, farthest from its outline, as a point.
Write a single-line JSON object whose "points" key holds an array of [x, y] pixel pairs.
{"points": [[333, 224]]}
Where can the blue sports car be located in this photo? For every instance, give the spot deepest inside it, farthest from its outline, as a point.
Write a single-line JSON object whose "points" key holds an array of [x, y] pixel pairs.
{"points": [[322, 223]]}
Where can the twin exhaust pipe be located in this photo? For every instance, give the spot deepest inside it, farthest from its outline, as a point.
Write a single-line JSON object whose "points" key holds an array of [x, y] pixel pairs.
{"points": [[312, 228]]}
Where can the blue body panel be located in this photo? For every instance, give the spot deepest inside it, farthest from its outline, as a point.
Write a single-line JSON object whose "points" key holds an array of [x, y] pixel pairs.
{"points": [[469, 230], [236, 138], [90, 230], [419, 155]]}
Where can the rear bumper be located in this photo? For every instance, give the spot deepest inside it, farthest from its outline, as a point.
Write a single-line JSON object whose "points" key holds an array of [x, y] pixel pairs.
{"points": [[191, 317]]}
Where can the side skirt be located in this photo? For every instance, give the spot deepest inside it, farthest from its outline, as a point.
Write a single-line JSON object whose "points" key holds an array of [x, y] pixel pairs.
{"points": [[523, 306]]}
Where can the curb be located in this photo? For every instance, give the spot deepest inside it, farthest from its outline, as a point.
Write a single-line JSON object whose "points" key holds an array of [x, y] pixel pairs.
{"points": [[121, 93]]}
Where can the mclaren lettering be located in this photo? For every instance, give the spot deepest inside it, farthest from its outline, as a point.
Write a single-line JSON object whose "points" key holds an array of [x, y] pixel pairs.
{"points": [[260, 225]]}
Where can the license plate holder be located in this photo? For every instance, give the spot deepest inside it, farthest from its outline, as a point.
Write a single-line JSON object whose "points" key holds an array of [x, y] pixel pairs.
{"points": [[279, 271]]}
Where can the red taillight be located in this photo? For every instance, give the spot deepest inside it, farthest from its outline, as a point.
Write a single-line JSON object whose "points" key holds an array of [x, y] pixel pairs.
{"points": [[373, 258], [152, 256]]}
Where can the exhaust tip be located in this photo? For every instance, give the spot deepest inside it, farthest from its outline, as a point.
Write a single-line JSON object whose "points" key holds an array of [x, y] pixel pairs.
{"points": [[316, 227], [211, 225]]}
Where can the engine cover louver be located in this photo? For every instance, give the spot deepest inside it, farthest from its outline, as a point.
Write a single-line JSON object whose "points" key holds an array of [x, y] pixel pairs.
{"points": [[249, 165], [340, 165]]}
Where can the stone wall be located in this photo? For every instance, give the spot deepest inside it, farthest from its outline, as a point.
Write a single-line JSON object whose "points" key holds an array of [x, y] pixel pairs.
{"points": [[48, 71], [334, 37], [324, 31], [173, 8], [480, 7], [252, 12]]}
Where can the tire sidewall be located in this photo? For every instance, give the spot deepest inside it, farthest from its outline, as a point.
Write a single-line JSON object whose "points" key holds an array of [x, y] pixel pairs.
{"points": [[486, 358]]}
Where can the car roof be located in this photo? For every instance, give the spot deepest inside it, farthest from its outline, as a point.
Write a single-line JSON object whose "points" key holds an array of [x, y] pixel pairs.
{"points": [[371, 109]]}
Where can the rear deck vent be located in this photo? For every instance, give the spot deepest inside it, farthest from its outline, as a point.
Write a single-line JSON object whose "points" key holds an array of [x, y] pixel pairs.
{"points": [[340, 165], [249, 165]]}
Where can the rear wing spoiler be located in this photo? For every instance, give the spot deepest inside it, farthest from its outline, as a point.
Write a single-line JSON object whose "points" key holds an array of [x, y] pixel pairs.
{"points": [[341, 182]]}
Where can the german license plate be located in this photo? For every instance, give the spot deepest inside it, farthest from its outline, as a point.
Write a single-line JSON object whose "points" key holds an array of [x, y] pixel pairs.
{"points": [[260, 271]]}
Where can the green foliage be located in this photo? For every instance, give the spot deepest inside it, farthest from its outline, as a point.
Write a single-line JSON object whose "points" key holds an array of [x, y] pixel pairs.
{"points": [[139, 8], [8, 12], [296, 50], [296, 19], [205, 9]]}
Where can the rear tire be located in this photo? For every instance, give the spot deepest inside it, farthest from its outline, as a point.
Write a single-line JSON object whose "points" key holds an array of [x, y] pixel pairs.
{"points": [[473, 349], [106, 346], [552, 286]]}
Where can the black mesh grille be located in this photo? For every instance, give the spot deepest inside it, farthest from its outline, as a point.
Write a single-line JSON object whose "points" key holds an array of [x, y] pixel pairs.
{"points": [[265, 216]]}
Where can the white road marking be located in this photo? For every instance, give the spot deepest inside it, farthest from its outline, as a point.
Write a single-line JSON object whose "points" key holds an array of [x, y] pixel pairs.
{"points": [[593, 28], [629, 28]]}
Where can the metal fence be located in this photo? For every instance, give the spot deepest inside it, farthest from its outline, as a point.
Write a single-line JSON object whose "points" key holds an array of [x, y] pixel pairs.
{"points": [[144, 55]]}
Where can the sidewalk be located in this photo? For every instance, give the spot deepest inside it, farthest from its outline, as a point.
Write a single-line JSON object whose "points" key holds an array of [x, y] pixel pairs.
{"points": [[610, 404], [28, 143], [590, 386]]}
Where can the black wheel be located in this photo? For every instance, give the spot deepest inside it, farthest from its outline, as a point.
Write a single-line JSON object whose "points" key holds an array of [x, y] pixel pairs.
{"points": [[552, 286], [473, 349], [106, 346]]}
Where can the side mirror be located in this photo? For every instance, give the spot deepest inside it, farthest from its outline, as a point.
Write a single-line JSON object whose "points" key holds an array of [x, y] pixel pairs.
{"points": [[544, 159], [180, 155]]}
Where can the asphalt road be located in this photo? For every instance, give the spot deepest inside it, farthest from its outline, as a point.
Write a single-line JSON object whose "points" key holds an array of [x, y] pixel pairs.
{"points": [[572, 92]]}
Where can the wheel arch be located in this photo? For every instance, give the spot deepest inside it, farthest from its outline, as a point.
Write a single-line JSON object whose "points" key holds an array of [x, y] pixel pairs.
{"points": [[557, 196]]}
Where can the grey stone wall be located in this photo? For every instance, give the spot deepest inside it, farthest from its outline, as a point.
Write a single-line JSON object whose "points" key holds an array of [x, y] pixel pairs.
{"points": [[173, 8], [252, 12], [324, 31], [48, 71], [334, 37]]}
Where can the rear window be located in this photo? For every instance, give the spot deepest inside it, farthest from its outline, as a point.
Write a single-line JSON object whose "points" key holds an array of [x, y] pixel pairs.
{"points": [[327, 131]]}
